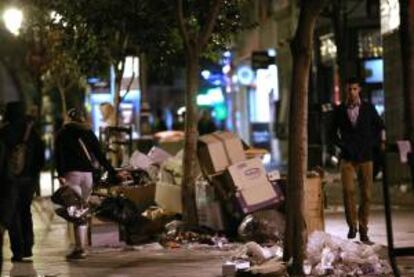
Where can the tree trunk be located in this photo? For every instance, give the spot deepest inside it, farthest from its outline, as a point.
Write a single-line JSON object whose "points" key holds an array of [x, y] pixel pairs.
{"points": [[340, 22], [301, 48], [190, 145], [144, 124], [63, 100], [407, 48], [119, 73]]}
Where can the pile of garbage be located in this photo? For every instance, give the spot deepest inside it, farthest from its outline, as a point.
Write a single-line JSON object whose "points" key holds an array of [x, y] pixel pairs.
{"points": [[327, 255], [331, 255]]}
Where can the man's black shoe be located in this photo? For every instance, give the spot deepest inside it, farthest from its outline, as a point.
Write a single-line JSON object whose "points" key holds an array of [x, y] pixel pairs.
{"points": [[27, 254], [352, 232], [18, 259], [365, 239]]}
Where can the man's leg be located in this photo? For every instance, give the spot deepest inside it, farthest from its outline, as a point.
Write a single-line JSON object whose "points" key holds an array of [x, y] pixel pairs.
{"points": [[16, 235], [2, 229], [348, 186], [26, 218], [365, 189]]}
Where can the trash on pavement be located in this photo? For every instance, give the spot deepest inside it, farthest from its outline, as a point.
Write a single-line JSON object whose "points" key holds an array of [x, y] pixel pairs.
{"points": [[263, 227], [327, 254]]}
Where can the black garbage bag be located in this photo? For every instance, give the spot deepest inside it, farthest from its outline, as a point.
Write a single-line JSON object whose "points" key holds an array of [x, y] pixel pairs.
{"points": [[140, 177], [118, 209], [65, 196]]}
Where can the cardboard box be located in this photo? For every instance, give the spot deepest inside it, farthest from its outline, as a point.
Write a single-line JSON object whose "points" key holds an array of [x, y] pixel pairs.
{"points": [[209, 215], [168, 197], [218, 150], [102, 233], [140, 195], [313, 204], [252, 189]]}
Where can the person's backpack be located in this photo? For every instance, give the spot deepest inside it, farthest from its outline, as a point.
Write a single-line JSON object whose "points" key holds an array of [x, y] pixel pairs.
{"points": [[18, 154]]}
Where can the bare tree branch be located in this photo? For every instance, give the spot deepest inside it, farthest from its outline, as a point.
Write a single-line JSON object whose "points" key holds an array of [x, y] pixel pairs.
{"points": [[207, 29], [181, 25], [128, 88]]}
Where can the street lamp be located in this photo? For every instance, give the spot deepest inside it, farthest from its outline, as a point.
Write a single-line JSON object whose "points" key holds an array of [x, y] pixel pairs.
{"points": [[13, 18]]}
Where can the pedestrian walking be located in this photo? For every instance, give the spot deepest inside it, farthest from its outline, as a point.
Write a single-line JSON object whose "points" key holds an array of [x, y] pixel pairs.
{"points": [[356, 126], [76, 147], [206, 124], [24, 158]]}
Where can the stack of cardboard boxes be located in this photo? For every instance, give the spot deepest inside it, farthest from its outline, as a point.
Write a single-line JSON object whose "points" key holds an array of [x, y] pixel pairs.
{"points": [[239, 181]]}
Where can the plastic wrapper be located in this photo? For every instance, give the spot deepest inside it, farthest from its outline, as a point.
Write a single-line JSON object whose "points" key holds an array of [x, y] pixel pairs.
{"points": [[328, 254], [63, 212], [263, 226], [258, 254]]}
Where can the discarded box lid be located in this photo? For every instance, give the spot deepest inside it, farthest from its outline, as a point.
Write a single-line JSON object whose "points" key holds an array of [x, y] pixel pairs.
{"points": [[253, 190]]}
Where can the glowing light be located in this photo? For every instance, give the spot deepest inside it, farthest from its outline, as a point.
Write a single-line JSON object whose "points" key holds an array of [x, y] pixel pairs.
{"points": [[226, 69], [227, 54], [212, 97], [206, 74], [13, 19], [56, 17], [245, 75], [271, 52], [181, 110]]}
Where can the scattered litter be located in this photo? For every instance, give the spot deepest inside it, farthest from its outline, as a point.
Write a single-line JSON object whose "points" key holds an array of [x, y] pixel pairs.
{"points": [[327, 254], [263, 227]]}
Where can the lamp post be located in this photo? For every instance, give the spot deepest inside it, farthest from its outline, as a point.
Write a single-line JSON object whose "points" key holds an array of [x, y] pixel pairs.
{"points": [[13, 18]]}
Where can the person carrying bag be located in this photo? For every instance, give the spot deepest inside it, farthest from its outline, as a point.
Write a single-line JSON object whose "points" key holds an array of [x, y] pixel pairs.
{"points": [[74, 146]]}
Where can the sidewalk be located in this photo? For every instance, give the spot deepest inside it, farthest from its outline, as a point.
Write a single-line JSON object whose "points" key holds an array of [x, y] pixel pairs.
{"points": [[52, 245], [52, 241]]}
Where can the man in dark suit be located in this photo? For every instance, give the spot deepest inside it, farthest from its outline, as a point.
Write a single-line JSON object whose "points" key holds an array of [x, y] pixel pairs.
{"points": [[356, 127]]}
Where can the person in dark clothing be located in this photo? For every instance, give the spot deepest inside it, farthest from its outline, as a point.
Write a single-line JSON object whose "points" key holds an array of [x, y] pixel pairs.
{"points": [[75, 147], [356, 125], [206, 124], [159, 122], [15, 210]]}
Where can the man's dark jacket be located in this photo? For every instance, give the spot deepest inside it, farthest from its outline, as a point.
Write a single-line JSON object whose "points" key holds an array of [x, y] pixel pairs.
{"points": [[357, 142]]}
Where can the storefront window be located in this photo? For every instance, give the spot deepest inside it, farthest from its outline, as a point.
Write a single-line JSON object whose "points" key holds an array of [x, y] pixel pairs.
{"points": [[369, 44]]}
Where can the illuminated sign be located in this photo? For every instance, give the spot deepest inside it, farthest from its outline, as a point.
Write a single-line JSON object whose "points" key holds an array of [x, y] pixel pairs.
{"points": [[212, 97], [245, 75]]}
